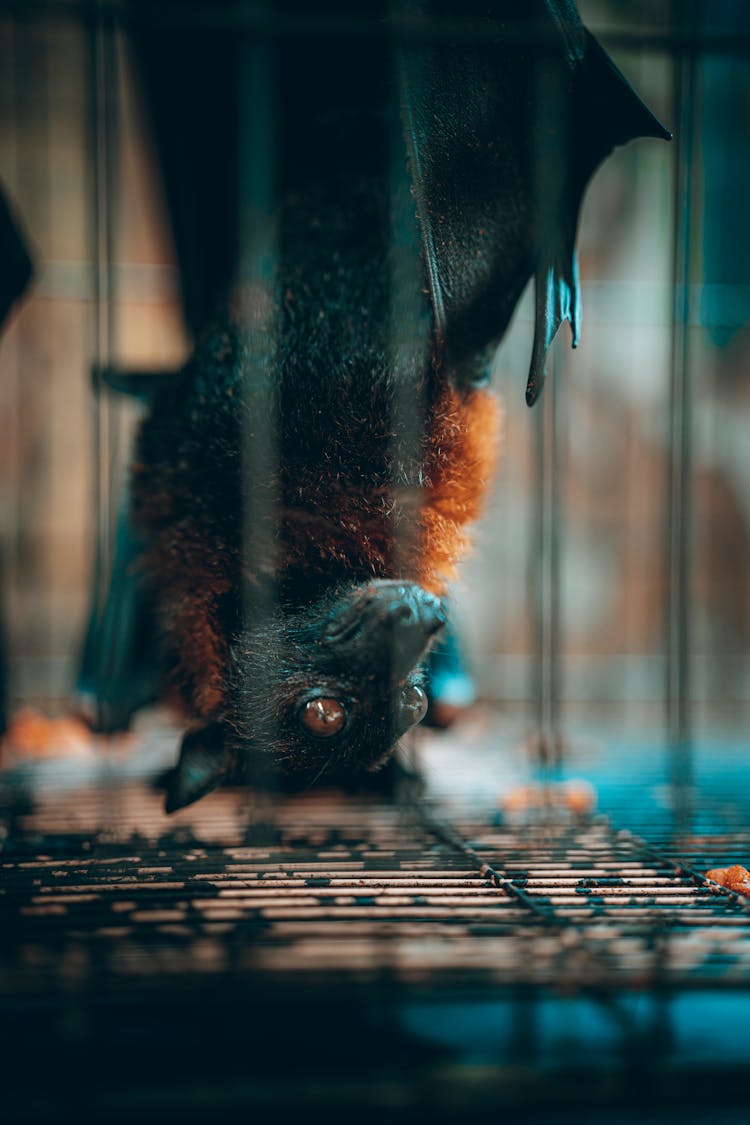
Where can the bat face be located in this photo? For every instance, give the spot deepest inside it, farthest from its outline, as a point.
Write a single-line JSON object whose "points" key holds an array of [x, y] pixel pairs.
{"points": [[328, 688]]}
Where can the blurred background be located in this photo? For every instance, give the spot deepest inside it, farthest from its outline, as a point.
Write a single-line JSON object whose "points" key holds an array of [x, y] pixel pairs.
{"points": [[608, 591]]}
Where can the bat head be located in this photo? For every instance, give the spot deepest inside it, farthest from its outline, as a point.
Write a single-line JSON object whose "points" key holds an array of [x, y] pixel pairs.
{"points": [[326, 688]]}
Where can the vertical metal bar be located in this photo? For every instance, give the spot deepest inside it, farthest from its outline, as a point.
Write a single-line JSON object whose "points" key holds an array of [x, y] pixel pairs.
{"points": [[554, 533], [103, 91], [550, 150], [545, 575], [12, 374], [678, 516], [407, 331], [258, 256], [406, 328]]}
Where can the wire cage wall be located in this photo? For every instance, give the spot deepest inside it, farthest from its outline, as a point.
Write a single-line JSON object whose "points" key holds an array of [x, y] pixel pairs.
{"points": [[605, 613], [621, 558]]}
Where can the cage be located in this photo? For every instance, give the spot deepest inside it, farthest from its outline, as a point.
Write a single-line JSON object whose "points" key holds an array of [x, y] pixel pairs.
{"points": [[526, 924]]}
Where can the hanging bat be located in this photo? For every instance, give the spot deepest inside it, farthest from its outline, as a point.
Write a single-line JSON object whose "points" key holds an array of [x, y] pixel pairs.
{"points": [[303, 492]]}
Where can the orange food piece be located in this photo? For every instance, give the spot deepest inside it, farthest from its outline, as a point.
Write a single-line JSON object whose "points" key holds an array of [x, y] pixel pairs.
{"points": [[520, 798], [735, 878], [580, 797], [31, 734], [575, 796]]}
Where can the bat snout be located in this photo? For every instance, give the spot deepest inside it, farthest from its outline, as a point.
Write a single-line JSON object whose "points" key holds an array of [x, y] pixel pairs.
{"points": [[411, 607], [387, 624]]}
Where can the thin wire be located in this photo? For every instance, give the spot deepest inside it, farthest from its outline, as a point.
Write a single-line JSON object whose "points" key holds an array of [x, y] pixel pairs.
{"points": [[678, 516], [544, 568], [259, 264], [103, 90]]}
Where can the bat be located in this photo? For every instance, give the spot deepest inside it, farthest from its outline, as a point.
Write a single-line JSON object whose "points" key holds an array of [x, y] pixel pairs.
{"points": [[303, 491]]}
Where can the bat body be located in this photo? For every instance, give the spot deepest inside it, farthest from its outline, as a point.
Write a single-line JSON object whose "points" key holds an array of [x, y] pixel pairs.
{"points": [[303, 491], [345, 606], [315, 571]]}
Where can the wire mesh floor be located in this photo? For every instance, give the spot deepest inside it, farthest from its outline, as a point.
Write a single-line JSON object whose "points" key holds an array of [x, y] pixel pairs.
{"points": [[375, 942]]}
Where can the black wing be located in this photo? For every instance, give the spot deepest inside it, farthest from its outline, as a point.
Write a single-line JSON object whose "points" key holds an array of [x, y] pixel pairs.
{"points": [[508, 112]]}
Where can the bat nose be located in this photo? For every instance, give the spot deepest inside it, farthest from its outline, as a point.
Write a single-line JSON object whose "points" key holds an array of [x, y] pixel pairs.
{"points": [[388, 623], [408, 617], [412, 617], [411, 607]]}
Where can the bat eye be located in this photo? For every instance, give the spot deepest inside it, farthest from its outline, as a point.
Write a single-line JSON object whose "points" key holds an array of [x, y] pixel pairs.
{"points": [[322, 717], [413, 704]]}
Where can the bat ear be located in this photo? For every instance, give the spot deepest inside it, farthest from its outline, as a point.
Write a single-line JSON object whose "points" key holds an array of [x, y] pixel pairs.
{"points": [[203, 765]]}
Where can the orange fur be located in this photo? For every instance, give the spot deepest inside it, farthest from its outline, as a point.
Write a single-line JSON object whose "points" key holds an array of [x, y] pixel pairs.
{"points": [[201, 646], [463, 449], [419, 533]]}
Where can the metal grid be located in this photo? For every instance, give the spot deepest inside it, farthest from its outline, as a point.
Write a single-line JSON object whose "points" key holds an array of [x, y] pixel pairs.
{"points": [[355, 954], [99, 882]]}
